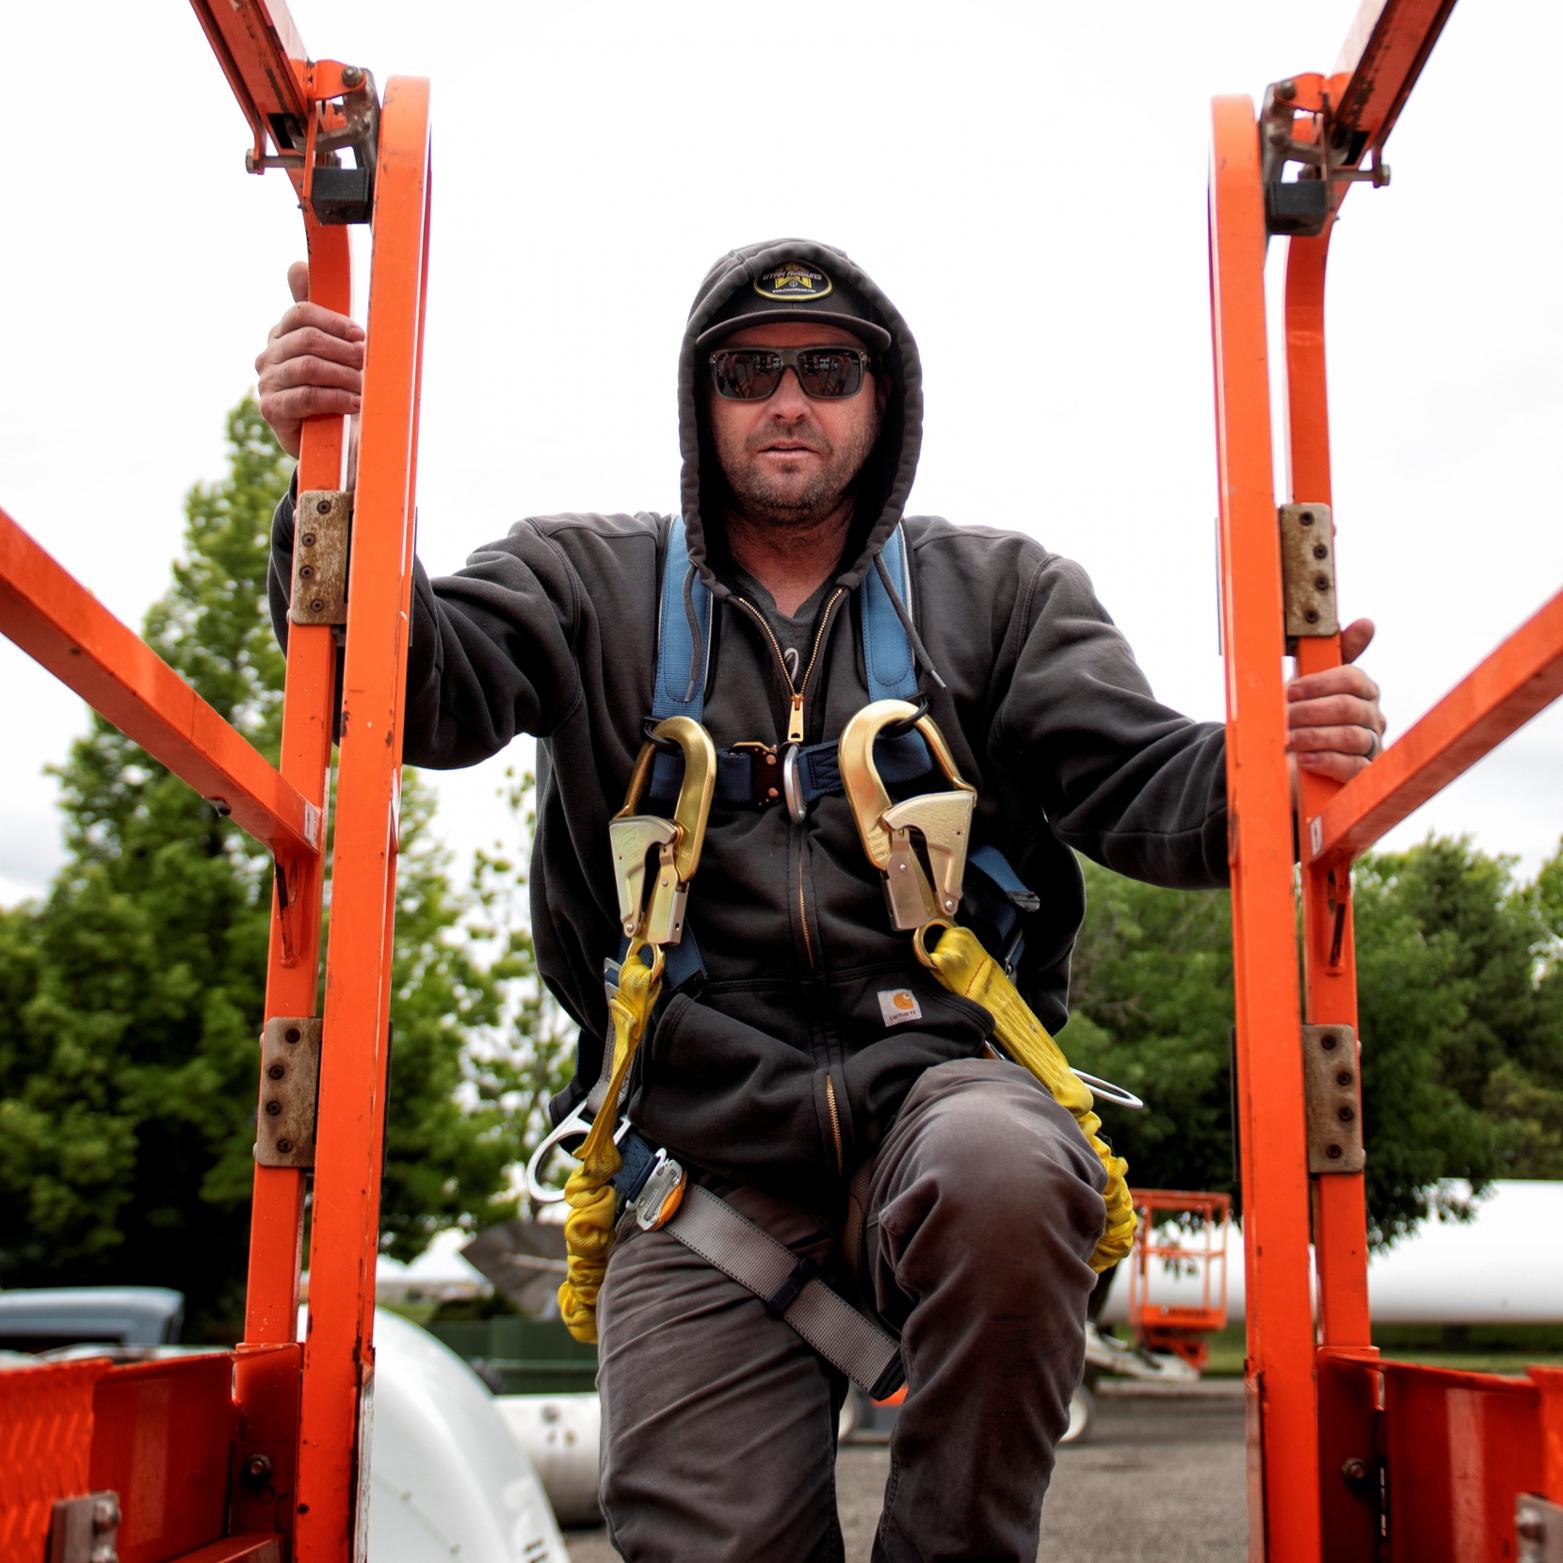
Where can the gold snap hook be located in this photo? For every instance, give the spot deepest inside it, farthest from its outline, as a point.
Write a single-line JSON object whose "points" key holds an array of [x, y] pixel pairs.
{"points": [[657, 914], [919, 885]]}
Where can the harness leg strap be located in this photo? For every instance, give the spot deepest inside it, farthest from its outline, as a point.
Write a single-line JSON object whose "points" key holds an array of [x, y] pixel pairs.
{"points": [[749, 1255]]}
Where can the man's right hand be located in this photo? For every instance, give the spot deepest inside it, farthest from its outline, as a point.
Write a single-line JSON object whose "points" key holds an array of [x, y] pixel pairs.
{"points": [[312, 365]]}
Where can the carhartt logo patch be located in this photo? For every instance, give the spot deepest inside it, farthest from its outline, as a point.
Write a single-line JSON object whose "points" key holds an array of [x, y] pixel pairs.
{"points": [[899, 1005], [793, 282]]}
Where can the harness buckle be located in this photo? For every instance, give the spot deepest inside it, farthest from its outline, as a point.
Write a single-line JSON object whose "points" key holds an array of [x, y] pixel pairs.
{"points": [[657, 915], [765, 773], [918, 845], [661, 1194]]}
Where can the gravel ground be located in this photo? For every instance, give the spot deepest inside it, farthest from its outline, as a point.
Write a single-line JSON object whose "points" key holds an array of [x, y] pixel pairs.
{"points": [[1156, 1480]]}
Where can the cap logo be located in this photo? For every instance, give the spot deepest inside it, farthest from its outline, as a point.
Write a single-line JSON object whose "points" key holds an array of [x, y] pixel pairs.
{"points": [[792, 282]]}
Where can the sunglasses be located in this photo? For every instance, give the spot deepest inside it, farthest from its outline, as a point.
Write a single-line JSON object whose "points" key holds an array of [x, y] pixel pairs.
{"points": [[750, 374]]}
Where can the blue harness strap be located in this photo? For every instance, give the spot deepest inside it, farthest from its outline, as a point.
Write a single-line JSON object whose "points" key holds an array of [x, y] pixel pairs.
{"points": [[887, 649]]}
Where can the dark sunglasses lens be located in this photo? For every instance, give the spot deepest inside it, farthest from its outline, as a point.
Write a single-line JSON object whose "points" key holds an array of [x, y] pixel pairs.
{"points": [[746, 376], [827, 372]]}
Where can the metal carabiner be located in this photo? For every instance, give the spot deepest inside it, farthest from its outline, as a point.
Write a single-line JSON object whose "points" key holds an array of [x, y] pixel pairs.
{"points": [[575, 1125], [941, 820], [657, 916]]}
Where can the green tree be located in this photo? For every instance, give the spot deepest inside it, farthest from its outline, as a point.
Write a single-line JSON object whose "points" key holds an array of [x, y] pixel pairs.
{"points": [[1459, 999], [132, 995]]}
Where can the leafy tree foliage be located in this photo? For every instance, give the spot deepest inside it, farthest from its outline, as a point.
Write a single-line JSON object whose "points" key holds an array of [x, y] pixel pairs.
{"points": [[1460, 979], [130, 999]]}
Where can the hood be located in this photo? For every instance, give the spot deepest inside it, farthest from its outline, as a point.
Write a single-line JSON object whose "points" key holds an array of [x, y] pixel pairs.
{"points": [[886, 479]]}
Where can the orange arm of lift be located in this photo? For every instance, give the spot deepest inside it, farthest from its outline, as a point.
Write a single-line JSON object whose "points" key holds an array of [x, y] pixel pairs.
{"points": [[60, 624], [1523, 676]]}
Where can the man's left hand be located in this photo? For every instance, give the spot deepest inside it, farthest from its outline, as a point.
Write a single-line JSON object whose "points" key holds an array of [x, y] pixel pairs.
{"points": [[1334, 725]]}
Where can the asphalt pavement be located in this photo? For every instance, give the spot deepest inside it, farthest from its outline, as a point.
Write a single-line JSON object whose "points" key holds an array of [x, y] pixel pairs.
{"points": [[1157, 1479]]}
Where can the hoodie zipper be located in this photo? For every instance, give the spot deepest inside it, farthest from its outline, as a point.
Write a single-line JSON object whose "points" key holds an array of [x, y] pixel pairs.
{"points": [[796, 690]]}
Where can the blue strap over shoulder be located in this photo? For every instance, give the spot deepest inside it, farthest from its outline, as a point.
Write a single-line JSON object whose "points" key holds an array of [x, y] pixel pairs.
{"points": [[887, 649]]}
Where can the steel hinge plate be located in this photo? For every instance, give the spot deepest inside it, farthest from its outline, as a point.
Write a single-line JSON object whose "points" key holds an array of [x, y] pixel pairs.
{"points": [[1308, 570], [290, 1080], [322, 523], [1330, 1089], [1538, 1526], [85, 1529]]}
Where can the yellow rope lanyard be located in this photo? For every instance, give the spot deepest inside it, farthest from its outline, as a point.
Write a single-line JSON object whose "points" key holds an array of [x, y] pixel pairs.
{"points": [[959, 961], [588, 1229]]}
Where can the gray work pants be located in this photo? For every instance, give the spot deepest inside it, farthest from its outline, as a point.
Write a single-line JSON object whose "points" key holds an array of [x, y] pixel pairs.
{"points": [[718, 1419]]}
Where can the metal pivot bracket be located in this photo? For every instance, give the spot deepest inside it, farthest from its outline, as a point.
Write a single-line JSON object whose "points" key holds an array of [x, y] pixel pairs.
{"points": [[1308, 571], [322, 523], [85, 1529], [1538, 1526], [290, 1082], [1334, 1120], [1298, 124]]}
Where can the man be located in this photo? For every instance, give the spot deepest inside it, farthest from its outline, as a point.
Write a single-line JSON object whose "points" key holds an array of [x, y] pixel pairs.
{"points": [[816, 1043]]}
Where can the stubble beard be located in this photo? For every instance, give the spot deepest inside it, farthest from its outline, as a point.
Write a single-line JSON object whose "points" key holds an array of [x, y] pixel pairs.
{"points": [[767, 501]]}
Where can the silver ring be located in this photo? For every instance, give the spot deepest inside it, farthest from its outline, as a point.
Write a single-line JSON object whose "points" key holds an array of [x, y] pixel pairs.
{"points": [[1109, 1092], [1375, 744]]}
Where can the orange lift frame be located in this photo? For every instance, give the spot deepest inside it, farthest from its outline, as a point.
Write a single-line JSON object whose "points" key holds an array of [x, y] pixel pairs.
{"points": [[1351, 1459], [270, 1437]]}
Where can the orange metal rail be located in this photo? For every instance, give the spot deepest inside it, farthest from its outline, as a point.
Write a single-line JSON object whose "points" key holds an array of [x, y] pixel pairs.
{"points": [[1350, 1458], [270, 1438]]}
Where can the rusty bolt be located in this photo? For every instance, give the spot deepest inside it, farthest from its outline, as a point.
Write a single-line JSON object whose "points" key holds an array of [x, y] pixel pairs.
{"points": [[292, 1034], [1321, 583], [1354, 1469], [1319, 550], [1329, 1041], [308, 539], [1286, 90], [1312, 615], [277, 1071], [1334, 1152], [1343, 1078], [316, 604], [1346, 1114], [323, 507], [1306, 518], [273, 1109], [105, 1514], [284, 1146], [351, 75], [305, 571]]}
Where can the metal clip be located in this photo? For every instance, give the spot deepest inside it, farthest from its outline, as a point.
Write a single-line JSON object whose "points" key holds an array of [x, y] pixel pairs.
{"points": [[939, 821], [574, 1126], [661, 1194], [658, 916]]}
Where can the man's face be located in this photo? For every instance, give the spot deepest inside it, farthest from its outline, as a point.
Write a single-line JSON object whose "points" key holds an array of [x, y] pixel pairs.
{"points": [[792, 457]]}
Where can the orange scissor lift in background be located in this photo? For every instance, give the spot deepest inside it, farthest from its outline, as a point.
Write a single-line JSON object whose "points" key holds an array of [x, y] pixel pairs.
{"points": [[255, 1454], [1351, 1458]]}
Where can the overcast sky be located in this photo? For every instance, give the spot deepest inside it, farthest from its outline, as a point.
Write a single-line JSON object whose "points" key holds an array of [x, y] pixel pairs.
{"points": [[1028, 183]]}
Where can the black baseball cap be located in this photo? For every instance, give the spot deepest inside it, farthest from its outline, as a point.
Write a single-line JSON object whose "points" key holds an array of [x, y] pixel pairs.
{"points": [[796, 290]]}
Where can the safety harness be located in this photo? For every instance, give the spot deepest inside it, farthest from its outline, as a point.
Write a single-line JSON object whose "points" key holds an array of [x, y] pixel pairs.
{"points": [[921, 847]]}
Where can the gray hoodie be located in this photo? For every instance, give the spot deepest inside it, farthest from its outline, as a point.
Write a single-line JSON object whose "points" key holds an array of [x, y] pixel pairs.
{"points": [[781, 1066]]}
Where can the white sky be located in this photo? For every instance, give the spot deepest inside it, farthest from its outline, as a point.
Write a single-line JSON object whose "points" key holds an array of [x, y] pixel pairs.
{"points": [[1027, 182]]}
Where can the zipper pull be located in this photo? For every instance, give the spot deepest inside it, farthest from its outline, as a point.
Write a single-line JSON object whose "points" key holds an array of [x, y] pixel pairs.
{"points": [[795, 721]]}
